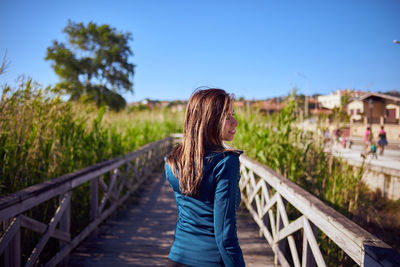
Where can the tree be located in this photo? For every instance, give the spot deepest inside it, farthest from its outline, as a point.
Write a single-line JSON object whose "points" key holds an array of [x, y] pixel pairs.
{"points": [[93, 65]]}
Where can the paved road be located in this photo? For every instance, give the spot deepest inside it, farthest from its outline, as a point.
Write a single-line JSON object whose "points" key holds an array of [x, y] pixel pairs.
{"points": [[390, 158], [395, 145]]}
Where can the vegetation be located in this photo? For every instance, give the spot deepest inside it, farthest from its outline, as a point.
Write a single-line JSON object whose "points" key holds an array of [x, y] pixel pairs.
{"points": [[42, 136], [93, 65], [275, 141]]}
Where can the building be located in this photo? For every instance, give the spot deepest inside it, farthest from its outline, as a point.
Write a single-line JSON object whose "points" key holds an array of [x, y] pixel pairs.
{"points": [[268, 106], [375, 110], [355, 109], [332, 100]]}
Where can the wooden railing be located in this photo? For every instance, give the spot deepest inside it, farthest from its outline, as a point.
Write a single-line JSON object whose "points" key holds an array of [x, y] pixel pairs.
{"points": [[267, 195], [126, 173]]}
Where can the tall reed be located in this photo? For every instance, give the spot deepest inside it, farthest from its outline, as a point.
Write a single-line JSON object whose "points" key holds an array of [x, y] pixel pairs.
{"points": [[274, 141], [43, 137]]}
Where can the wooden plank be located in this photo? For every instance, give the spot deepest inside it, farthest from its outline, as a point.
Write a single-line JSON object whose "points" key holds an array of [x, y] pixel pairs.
{"points": [[9, 233], [52, 225], [291, 228], [13, 250], [65, 225], [305, 255], [124, 179], [94, 198], [281, 257], [10, 243], [255, 190], [252, 180], [41, 228], [108, 194], [313, 243], [308, 259], [270, 204], [32, 201], [285, 220], [258, 206]]}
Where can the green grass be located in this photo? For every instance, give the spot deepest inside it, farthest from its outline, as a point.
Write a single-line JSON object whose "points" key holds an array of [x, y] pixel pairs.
{"points": [[43, 137]]}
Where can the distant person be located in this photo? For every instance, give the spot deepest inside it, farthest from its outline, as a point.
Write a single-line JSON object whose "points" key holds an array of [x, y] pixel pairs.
{"points": [[327, 138], [326, 135], [343, 141], [204, 176], [373, 150], [338, 133], [382, 141], [350, 144], [367, 139]]}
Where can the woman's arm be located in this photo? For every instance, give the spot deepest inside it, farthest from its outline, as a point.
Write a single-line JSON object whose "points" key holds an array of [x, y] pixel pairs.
{"points": [[225, 213]]}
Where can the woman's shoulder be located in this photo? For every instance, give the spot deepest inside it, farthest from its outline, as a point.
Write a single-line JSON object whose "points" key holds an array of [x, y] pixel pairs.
{"points": [[223, 155], [223, 159], [171, 178]]}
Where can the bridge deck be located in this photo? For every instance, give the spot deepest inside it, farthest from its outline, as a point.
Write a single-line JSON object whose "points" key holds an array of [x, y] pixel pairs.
{"points": [[141, 234]]}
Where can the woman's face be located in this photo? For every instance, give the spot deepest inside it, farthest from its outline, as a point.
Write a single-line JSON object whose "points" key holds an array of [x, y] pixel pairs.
{"points": [[228, 133]]}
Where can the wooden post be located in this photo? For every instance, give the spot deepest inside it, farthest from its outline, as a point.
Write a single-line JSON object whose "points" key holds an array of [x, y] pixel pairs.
{"points": [[267, 217], [277, 228], [113, 187], [94, 198], [12, 254], [65, 225], [308, 259], [283, 245]]}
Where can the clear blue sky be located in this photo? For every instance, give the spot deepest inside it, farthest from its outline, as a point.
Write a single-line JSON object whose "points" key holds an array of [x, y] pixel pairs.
{"points": [[250, 48]]}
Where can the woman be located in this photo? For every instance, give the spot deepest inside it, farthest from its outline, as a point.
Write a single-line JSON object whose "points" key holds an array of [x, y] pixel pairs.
{"points": [[204, 176], [382, 141], [367, 140]]}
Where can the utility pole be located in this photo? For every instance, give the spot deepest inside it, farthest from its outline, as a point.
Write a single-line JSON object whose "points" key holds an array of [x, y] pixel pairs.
{"points": [[306, 95]]}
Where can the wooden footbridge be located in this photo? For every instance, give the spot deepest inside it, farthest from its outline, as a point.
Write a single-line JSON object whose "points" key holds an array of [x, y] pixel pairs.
{"points": [[279, 223]]}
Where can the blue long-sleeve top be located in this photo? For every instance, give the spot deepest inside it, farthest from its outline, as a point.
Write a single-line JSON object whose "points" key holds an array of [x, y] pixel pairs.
{"points": [[205, 233]]}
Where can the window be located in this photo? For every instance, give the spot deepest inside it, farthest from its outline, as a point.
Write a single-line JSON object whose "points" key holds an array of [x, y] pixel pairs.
{"points": [[391, 113]]}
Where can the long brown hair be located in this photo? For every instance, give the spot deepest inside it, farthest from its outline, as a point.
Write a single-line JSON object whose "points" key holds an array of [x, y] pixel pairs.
{"points": [[204, 121]]}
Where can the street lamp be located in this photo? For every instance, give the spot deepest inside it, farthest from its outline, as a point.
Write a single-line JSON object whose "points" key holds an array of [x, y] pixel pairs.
{"points": [[370, 111], [306, 96]]}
